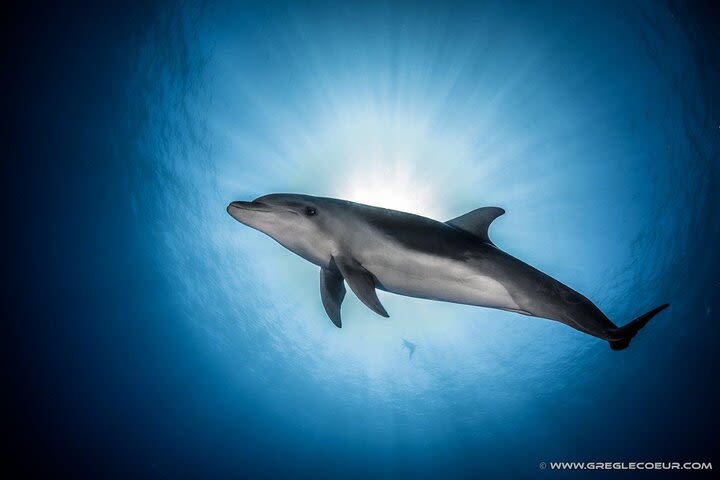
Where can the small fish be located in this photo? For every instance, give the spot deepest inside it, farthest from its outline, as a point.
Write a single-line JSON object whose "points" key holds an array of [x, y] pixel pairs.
{"points": [[410, 346]]}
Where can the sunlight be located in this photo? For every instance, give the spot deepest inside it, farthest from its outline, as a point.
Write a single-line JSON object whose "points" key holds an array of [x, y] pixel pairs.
{"points": [[390, 161], [396, 187]]}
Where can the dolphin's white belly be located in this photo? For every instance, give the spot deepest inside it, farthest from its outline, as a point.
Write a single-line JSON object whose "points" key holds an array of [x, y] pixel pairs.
{"points": [[424, 275]]}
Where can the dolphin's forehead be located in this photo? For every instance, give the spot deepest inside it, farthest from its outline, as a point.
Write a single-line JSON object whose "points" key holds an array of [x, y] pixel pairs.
{"points": [[285, 199], [302, 200]]}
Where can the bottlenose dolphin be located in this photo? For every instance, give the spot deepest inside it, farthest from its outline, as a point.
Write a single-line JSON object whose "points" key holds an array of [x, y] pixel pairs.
{"points": [[454, 261]]}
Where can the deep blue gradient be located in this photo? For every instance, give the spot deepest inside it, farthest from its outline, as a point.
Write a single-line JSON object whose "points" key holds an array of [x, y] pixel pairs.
{"points": [[150, 335]]}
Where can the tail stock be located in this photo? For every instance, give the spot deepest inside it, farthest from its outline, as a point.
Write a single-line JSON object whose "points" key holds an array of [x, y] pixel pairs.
{"points": [[621, 336]]}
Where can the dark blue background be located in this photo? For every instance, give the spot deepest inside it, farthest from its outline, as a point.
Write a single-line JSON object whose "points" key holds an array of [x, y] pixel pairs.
{"points": [[108, 377]]}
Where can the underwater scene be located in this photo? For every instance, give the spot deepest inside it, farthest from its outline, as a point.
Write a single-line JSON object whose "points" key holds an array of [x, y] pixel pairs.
{"points": [[154, 336]]}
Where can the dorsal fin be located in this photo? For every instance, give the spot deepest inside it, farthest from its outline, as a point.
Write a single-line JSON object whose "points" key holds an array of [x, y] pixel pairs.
{"points": [[477, 222]]}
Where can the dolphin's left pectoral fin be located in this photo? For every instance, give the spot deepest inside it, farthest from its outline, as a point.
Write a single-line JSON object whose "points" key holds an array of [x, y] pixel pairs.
{"points": [[361, 282], [332, 292]]}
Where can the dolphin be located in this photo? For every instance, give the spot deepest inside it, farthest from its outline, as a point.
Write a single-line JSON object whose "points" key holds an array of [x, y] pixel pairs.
{"points": [[373, 248]]}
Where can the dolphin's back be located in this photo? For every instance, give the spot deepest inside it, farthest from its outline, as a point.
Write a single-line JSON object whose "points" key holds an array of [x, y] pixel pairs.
{"points": [[418, 233]]}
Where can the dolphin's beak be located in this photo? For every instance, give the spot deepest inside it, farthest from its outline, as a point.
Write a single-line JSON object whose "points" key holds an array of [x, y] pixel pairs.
{"points": [[249, 213], [245, 212], [252, 206]]}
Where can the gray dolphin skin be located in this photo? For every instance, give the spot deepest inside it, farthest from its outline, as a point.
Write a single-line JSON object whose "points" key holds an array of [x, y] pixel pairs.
{"points": [[454, 261]]}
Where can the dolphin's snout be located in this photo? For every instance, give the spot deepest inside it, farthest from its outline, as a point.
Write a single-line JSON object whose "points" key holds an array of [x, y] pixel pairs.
{"points": [[254, 205], [239, 209]]}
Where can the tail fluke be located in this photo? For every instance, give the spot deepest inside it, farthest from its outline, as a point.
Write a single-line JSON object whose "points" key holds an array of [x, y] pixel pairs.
{"points": [[626, 333]]}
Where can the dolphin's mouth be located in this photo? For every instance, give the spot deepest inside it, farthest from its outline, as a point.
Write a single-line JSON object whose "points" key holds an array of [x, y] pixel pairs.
{"points": [[253, 206]]}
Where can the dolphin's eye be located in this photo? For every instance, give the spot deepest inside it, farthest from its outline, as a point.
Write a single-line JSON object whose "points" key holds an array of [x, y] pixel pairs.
{"points": [[310, 211]]}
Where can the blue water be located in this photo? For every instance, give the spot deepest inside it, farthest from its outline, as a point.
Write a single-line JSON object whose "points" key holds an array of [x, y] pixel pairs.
{"points": [[151, 335]]}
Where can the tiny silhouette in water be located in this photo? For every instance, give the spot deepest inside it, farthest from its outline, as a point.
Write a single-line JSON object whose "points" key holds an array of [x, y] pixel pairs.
{"points": [[411, 348]]}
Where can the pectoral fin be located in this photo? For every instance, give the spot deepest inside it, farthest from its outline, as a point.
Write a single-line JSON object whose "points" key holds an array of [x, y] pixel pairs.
{"points": [[332, 292], [361, 282]]}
